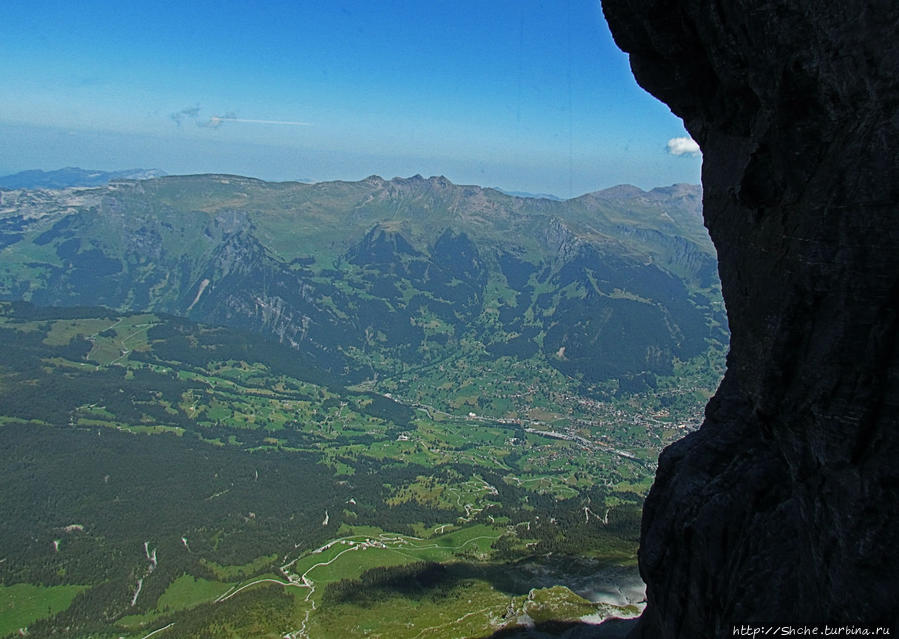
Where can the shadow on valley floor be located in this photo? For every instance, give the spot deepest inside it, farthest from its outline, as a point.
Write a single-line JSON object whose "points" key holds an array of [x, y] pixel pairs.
{"points": [[433, 582], [591, 579], [609, 629]]}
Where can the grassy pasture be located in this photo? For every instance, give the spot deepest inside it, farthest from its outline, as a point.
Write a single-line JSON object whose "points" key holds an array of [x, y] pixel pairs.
{"points": [[188, 591], [22, 604]]}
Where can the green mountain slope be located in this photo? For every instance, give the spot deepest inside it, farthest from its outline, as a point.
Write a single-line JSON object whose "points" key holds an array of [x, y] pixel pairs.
{"points": [[372, 278]]}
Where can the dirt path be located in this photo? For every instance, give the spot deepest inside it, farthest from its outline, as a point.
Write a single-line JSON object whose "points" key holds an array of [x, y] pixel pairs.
{"points": [[158, 630], [231, 593]]}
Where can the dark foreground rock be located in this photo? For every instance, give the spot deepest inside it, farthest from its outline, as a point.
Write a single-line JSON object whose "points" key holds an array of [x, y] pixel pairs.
{"points": [[784, 507]]}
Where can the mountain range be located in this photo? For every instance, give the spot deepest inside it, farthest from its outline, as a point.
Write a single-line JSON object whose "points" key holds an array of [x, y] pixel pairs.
{"points": [[72, 176], [372, 278]]}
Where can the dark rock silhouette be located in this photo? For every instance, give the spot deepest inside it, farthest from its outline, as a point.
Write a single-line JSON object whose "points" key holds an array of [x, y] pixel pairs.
{"points": [[784, 507]]}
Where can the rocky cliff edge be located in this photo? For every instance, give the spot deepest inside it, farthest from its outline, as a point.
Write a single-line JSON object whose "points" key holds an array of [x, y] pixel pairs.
{"points": [[784, 507]]}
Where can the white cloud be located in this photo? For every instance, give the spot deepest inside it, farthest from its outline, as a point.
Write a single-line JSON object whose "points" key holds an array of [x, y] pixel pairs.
{"points": [[216, 121], [683, 146]]}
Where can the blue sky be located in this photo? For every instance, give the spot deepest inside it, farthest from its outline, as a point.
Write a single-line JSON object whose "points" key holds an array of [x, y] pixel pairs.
{"points": [[520, 94]]}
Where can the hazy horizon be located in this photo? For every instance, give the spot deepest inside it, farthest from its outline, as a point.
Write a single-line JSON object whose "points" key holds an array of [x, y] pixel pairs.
{"points": [[524, 96], [310, 180]]}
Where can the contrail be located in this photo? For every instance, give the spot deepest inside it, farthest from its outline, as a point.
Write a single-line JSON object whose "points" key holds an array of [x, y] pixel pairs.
{"points": [[216, 120]]}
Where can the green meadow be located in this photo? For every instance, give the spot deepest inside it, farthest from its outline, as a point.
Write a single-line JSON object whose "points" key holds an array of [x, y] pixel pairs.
{"points": [[22, 604]]}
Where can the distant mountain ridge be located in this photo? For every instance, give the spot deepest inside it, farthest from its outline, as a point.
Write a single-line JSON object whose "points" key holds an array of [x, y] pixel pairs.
{"points": [[537, 196], [373, 277], [73, 176]]}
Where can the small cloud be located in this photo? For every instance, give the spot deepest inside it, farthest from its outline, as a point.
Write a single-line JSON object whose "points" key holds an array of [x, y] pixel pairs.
{"points": [[189, 113], [192, 114], [683, 146], [216, 121]]}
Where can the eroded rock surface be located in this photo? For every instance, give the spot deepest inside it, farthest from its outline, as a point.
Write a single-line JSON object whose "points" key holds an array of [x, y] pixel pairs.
{"points": [[784, 507]]}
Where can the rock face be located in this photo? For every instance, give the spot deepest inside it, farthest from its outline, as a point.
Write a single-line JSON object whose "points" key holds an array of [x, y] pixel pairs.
{"points": [[784, 507]]}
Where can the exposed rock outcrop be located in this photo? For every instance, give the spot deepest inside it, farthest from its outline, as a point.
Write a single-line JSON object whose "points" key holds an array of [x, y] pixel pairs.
{"points": [[784, 507]]}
